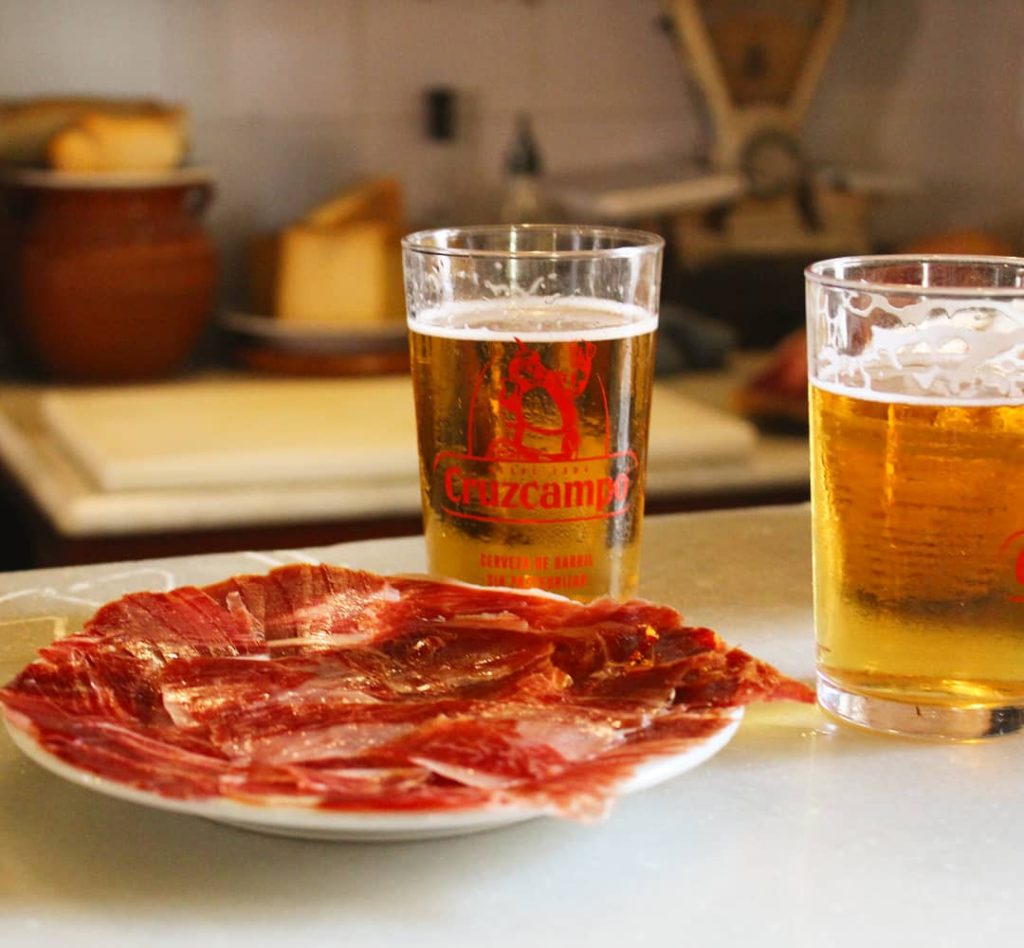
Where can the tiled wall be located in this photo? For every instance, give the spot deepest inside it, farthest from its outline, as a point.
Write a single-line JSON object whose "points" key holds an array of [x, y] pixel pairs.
{"points": [[293, 99]]}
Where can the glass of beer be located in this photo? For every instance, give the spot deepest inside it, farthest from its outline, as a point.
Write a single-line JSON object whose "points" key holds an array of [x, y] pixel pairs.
{"points": [[532, 360], [916, 371]]}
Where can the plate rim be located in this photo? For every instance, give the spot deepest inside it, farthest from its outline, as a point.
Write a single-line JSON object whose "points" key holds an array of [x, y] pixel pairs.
{"points": [[271, 331], [53, 179], [285, 819]]}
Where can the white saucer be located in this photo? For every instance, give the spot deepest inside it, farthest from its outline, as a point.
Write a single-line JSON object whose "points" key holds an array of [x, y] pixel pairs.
{"points": [[86, 180]]}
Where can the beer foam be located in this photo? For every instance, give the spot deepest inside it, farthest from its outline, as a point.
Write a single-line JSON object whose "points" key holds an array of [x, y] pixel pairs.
{"points": [[535, 319], [908, 398], [933, 351]]}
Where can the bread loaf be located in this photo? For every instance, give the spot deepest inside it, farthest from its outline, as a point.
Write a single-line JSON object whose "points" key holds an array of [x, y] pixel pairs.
{"points": [[103, 141], [27, 127]]}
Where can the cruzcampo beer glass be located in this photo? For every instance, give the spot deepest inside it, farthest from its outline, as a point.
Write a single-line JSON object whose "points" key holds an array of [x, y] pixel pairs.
{"points": [[917, 427], [532, 356]]}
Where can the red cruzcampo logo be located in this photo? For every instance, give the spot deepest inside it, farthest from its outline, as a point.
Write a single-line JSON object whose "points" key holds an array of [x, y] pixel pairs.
{"points": [[528, 379], [529, 469], [536, 491], [1014, 546]]}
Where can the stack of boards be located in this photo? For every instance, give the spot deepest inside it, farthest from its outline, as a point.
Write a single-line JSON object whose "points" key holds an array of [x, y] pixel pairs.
{"points": [[218, 434]]}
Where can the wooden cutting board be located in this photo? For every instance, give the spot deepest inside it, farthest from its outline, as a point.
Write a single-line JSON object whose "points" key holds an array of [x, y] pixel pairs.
{"points": [[219, 433]]}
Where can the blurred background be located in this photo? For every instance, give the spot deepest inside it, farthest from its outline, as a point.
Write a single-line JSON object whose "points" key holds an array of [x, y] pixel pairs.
{"points": [[755, 136], [292, 101]]}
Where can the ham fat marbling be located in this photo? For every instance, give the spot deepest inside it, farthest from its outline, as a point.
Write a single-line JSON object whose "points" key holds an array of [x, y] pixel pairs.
{"points": [[319, 686]]}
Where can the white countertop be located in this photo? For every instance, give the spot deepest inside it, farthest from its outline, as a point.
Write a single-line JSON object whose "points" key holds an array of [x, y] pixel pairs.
{"points": [[799, 833], [77, 507]]}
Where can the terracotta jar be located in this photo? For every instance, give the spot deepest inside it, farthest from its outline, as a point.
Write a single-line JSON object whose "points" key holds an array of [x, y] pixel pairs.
{"points": [[107, 278]]}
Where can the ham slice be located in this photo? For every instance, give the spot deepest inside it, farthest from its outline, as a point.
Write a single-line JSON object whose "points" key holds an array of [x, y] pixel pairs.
{"points": [[319, 686]]}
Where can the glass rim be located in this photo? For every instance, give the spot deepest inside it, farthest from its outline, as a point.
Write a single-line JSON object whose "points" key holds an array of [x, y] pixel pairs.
{"points": [[814, 273], [636, 243]]}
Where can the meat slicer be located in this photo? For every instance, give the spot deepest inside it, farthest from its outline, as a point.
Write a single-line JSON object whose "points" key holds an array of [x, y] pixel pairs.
{"points": [[753, 201]]}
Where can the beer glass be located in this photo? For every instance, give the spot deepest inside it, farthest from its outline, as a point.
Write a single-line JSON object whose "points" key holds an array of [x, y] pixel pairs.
{"points": [[916, 371], [532, 355]]}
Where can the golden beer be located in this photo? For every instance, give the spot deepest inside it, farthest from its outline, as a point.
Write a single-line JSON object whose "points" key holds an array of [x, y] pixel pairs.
{"points": [[919, 548], [532, 426]]}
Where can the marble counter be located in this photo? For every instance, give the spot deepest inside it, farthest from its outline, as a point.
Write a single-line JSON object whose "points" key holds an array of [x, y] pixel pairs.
{"points": [[799, 833]]}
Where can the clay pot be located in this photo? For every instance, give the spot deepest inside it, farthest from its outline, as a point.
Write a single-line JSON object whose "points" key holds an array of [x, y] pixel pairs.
{"points": [[108, 278]]}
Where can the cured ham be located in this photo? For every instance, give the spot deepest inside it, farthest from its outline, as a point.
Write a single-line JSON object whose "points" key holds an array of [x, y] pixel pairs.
{"points": [[319, 686]]}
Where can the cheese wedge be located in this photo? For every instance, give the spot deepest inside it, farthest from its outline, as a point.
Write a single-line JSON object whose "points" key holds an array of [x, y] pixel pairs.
{"points": [[338, 266], [377, 200], [340, 275]]}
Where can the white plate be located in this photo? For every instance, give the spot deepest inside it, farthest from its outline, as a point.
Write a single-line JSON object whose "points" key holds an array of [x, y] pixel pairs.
{"points": [[106, 180], [318, 338], [338, 825]]}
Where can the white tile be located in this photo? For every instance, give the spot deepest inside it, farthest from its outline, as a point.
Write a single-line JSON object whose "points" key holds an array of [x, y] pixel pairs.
{"points": [[922, 88], [194, 36], [289, 59], [104, 47], [480, 48], [845, 128], [943, 105], [870, 55], [269, 172], [607, 54], [274, 170], [437, 179]]}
